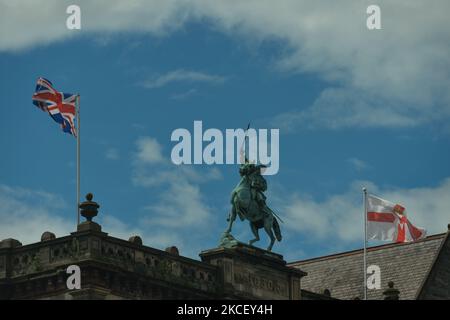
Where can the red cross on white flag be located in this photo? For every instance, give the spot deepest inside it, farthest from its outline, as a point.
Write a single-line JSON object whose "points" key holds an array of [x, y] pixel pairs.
{"points": [[387, 221]]}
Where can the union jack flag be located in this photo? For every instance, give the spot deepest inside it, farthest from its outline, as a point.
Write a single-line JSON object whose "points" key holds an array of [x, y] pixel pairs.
{"points": [[59, 105]]}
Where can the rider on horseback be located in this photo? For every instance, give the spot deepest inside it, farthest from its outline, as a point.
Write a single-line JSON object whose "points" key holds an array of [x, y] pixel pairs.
{"points": [[258, 186], [249, 203]]}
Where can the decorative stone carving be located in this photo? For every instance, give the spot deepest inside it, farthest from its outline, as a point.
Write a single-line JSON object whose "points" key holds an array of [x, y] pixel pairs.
{"points": [[136, 240], [89, 208], [173, 250], [47, 235], [251, 272], [391, 293], [10, 243]]}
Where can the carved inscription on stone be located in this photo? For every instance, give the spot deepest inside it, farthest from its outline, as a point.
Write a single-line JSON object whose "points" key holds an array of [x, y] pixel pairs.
{"points": [[258, 282]]}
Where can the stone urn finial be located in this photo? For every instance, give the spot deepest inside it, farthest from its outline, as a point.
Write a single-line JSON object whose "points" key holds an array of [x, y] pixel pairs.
{"points": [[391, 293], [89, 208]]}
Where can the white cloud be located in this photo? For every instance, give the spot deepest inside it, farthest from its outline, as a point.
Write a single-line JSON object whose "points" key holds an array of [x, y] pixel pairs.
{"points": [[154, 238], [339, 218], [151, 176], [397, 76], [112, 154], [358, 164], [25, 214], [148, 151], [343, 108], [181, 75], [394, 77], [18, 20], [181, 204]]}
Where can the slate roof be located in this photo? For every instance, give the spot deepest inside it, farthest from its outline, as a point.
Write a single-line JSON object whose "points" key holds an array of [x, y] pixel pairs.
{"points": [[407, 265]]}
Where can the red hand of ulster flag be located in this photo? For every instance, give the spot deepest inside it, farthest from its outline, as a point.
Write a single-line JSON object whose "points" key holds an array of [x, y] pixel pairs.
{"points": [[402, 223], [388, 222]]}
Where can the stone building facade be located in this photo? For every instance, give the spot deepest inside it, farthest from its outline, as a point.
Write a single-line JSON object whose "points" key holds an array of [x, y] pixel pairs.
{"points": [[113, 268]]}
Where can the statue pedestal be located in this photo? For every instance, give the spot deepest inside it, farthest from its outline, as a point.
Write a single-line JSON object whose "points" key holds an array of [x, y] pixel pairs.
{"points": [[252, 273]]}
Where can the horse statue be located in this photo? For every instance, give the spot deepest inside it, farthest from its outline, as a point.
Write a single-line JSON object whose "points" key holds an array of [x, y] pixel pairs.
{"points": [[249, 202]]}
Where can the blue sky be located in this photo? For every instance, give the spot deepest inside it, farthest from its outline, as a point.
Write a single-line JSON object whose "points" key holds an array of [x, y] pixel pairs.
{"points": [[348, 116]]}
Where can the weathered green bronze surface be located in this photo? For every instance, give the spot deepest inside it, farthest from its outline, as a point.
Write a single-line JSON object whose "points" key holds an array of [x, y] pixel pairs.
{"points": [[249, 203]]}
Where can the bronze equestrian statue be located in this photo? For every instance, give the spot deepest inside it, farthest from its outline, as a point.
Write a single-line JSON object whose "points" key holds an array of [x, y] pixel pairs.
{"points": [[249, 202]]}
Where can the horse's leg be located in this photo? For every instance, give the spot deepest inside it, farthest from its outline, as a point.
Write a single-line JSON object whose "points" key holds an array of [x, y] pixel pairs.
{"points": [[231, 218], [255, 233], [268, 223]]}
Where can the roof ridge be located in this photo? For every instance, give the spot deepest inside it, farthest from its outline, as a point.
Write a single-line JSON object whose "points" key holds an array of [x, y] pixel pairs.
{"points": [[374, 248], [430, 268]]}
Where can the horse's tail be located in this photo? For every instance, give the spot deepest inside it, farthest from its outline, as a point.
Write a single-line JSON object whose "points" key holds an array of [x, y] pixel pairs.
{"points": [[276, 229]]}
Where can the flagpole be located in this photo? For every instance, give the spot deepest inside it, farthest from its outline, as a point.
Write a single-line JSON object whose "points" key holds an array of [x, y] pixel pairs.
{"points": [[365, 243], [78, 157]]}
